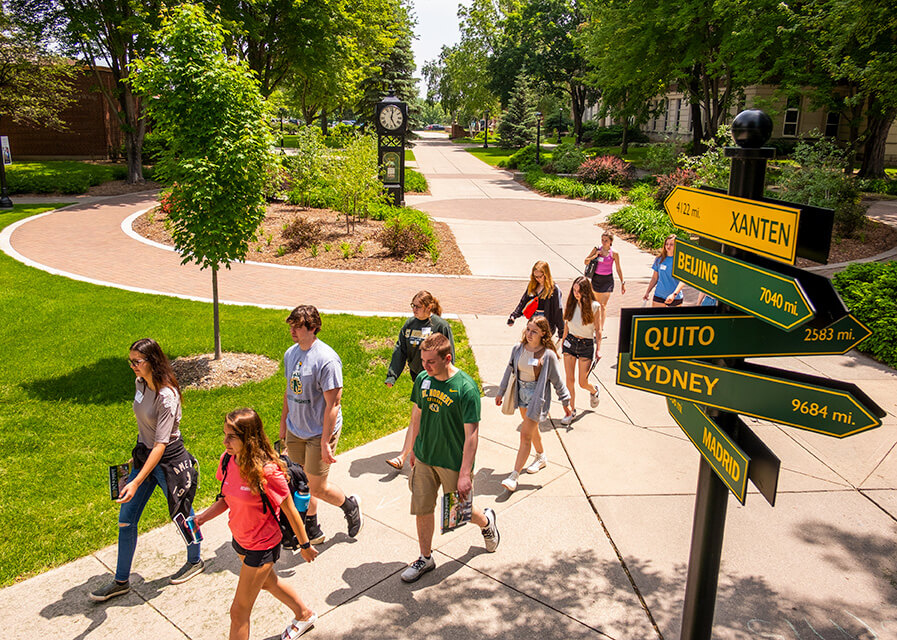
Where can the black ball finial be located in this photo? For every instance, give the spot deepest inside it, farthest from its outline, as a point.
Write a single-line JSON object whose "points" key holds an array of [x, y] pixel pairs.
{"points": [[751, 129]]}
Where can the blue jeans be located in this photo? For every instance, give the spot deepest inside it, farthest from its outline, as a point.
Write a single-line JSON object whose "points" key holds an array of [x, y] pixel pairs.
{"points": [[129, 516]]}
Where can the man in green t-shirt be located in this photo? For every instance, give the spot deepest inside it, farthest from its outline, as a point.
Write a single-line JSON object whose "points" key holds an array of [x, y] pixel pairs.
{"points": [[444, 424]]}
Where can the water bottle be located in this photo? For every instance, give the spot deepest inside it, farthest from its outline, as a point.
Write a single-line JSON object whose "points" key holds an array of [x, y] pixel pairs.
{"points": [[301, 501]]}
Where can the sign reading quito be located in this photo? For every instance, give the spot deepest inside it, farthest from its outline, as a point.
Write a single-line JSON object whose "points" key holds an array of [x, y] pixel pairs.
{"points": [[817, 404], [671, 337], [726, 458], [766, 229], [770, 296]]}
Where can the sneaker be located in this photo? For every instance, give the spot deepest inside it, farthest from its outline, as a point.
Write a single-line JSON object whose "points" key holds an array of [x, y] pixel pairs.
{"points": [[315, 535], [490, 531], [568, 419], [353, 516], [538, 463], [418, 568], [593, 399], [187, 571], [110, 591], [510, 483]]}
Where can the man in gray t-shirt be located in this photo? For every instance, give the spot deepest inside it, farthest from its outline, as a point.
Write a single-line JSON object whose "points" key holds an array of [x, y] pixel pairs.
{"points": [[311, 419]]}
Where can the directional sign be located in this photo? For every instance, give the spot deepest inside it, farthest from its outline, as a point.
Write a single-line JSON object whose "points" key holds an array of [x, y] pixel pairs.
{"points": [[670, 336], [726, 458], [766, 229], [817, 404], [770, 296]]}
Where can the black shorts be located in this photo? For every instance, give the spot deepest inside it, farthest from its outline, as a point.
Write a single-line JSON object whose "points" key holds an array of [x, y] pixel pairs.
{"points": [[602, 284], [579, 347], [674, 303], [257, 558]]}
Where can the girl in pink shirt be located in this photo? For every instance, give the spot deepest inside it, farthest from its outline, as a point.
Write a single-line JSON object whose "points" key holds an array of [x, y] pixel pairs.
{"points": [[252, 467]]}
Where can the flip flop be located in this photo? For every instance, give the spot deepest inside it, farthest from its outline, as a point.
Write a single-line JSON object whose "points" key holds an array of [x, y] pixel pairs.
{"points": [[298, 627], [395, 464]]}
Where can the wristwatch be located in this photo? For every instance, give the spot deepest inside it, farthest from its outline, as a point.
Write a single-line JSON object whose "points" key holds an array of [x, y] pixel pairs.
{"points": [[305, 545]]}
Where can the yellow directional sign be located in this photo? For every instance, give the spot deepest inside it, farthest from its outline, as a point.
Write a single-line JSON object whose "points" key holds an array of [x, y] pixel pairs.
{"points": [[766, 229]]}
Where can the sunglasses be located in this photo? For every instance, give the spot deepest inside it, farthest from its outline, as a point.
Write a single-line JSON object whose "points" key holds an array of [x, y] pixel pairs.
{"points": [[136, 363]]}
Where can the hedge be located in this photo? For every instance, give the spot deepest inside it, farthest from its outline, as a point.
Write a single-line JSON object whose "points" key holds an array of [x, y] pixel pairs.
{"points": [[870, 292]]}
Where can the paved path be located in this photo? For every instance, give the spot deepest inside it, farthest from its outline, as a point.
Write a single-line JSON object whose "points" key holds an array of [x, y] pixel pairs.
{"points": [[594, 546]]}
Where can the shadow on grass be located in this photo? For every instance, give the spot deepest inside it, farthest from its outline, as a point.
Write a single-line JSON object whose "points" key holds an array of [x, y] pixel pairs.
{"points": [[106, 381]]}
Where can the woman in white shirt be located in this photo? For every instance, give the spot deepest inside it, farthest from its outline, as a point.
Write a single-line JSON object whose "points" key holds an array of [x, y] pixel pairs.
{"points": [[582, 340]]}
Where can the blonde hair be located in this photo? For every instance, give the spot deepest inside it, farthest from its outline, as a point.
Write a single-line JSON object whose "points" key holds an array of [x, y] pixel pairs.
{"points": [[545, 328], [428, 301], [533, 286], [608, 235], [586, 296]]}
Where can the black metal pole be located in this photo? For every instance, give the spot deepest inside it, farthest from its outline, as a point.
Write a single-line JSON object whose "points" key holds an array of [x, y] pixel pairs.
{"points": [[538, 131], [560, 123], [486, 138], [751, 129]]}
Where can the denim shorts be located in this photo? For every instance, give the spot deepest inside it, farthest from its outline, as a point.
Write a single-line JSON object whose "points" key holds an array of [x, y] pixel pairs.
{"points": [[579, 347], [525, 391]]}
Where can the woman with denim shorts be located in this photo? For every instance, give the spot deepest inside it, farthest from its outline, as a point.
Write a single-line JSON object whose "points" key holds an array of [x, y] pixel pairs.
{"points": [[582, 340]]}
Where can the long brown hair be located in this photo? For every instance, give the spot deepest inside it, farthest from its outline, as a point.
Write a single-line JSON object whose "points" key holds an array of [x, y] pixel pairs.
{"points": [[428, 301], [545, 328], [161, 371], [586, 297], [663, 252], [548, 286], [257, 450]]}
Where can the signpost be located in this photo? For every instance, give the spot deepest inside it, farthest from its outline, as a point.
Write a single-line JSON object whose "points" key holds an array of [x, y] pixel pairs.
{"points": [[766, 229], [726, 457], [668, 336]]}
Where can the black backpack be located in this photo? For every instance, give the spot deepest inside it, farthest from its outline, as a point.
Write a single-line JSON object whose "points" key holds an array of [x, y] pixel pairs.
{"points": [[297, 482]]}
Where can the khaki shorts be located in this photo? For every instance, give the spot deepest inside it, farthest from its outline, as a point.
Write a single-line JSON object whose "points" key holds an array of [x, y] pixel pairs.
{"points": [[425, 481], [307, 452]]}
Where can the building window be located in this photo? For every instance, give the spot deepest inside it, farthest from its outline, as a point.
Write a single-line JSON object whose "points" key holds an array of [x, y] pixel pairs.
{"points": [[832, 120], [674, 114], [792, 117]]}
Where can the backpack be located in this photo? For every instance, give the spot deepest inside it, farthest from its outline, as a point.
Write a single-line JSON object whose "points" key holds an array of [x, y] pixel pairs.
{"points": [[297, 482]]}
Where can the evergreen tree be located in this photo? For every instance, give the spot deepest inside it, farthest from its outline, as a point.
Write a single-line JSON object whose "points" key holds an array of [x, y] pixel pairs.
{"points": [[518, 123]]}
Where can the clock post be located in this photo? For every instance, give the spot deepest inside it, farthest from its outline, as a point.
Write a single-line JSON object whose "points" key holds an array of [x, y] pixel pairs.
{"points": [[391, 121]]}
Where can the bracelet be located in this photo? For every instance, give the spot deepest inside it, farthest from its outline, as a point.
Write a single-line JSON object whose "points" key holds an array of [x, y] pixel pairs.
{"points": [[305, 545]]}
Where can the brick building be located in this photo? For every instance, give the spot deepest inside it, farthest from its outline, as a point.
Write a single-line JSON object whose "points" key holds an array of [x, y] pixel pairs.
{"points": [[93, 131]]}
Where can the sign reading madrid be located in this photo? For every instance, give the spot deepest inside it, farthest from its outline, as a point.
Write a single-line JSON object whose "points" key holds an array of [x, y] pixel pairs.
{"points": [[766, 229]]}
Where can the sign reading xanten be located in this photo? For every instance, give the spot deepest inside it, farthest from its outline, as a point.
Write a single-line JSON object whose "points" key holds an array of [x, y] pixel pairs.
{"points": [[766, 229]]}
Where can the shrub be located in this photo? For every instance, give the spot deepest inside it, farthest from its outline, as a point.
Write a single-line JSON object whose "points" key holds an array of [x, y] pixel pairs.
{"points": [[523, 159], [302, 232], [407, 232], [415, 182], [69, 177], [563, 186], [566, 158], [153, 145], [612, 169], [611, 136], [711, 168], [666, 183], [878, 185], [340, 136], [661, 158], [870, 292], [646, 221], [606, 192]]}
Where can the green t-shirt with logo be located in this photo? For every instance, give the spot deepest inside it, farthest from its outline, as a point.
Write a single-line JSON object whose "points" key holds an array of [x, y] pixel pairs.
{"points": [[445, 408]]}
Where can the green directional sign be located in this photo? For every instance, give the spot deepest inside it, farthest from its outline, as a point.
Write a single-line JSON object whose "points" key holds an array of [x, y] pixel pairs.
{"points": [[668, 337], [726, 457], [817, 404], [770, 296]]}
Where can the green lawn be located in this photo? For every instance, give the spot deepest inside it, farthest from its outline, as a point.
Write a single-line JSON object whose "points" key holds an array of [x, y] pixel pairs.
{"points": [[491, 155], [409, 155], [65, 176], [66, 393]]}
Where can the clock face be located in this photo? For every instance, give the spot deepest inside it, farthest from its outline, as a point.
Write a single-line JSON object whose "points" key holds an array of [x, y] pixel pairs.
{"points": [[391, 117]]}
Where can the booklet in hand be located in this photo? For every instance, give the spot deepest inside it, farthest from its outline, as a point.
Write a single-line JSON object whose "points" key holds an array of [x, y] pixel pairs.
{"points": [[118, 478], [455, 512]]}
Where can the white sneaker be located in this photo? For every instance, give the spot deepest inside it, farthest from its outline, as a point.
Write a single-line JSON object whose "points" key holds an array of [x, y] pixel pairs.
{"points": [[418, 568], [510, 483], [538, 463], [568, 419], [593, 398]]}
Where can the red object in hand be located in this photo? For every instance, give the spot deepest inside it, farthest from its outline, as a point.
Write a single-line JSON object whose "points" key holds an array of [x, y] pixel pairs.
{"points": [[530, 308]]}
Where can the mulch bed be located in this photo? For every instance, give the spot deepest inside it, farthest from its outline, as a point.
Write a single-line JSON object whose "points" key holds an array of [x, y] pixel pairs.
{"points": [[365, 251]]}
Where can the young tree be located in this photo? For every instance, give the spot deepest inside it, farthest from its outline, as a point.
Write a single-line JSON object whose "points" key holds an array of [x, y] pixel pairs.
{"points": [[518, 124], [208, 109]]}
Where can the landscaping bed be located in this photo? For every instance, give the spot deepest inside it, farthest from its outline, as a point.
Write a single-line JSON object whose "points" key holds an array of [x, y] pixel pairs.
{"points": [[363, 253]]}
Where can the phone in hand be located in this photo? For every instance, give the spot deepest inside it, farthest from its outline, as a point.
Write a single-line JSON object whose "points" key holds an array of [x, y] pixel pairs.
{"points": [[188, 528]]}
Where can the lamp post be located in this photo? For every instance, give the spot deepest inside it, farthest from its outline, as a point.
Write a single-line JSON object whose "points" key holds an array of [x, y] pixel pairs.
{"points": [[486, 137], [538, 133], [560, 122], [283, 112]]}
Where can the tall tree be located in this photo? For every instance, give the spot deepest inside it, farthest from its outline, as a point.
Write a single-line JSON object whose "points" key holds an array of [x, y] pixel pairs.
{"points": [[518, 123], [209, 110]]}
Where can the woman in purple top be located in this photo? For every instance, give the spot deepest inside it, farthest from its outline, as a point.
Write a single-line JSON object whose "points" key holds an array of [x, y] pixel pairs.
{"points": [[603, 278]]}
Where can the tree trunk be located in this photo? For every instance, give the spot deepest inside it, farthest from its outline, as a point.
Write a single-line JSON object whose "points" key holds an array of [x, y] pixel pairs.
{"points": [[217, 326], [874, 148], [323, 122], [694, 103], [624, 144], [578, 103]]}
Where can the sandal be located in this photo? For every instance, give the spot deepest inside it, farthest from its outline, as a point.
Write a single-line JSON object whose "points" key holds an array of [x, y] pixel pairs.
{"points": [[298, 627], [396, 463]]}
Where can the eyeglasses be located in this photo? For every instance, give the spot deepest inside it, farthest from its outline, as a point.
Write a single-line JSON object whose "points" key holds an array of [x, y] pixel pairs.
{"points": [[136, 363], [417, 306]]}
